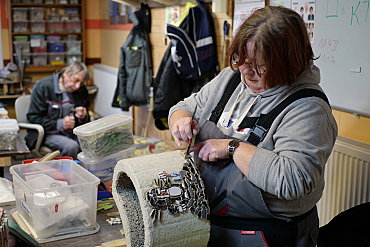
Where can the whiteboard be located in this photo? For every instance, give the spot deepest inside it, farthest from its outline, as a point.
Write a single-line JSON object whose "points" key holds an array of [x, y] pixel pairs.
{"points": [[342, 40]]}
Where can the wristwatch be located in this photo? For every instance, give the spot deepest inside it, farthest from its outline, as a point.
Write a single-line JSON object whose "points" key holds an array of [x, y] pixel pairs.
{"points": [[232, 146]]}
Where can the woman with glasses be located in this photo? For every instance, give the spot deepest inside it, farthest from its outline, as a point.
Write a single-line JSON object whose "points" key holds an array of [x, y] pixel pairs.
{"points": [[262, 144]]}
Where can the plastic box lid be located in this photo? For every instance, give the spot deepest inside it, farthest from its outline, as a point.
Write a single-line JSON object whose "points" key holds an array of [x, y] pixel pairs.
{"points": [[102, 124], [37, 36], [8, 125], [61, 170], [107, 161]]}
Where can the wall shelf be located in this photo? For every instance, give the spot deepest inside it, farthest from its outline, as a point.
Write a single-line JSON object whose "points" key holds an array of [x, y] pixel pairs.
{"points": [[64, 34]]}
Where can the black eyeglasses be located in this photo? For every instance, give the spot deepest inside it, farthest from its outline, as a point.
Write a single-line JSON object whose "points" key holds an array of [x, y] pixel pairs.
{"points": [[235, 60]]}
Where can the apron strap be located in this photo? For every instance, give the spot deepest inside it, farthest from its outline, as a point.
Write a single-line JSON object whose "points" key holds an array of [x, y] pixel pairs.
{"points": [[230, 88], [260, 125], [265, 121]]}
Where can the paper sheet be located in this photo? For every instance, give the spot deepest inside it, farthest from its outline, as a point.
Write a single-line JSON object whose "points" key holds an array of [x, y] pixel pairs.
{"points": [[243, 9]]}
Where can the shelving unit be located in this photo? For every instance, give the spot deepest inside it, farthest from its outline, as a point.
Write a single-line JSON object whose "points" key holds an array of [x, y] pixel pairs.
{"points": [[64, 34]]}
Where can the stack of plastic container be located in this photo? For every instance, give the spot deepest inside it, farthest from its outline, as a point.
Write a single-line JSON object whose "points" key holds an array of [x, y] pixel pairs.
{"points": [[38, 20], [103, 143], [56, 50], [39, 50]]}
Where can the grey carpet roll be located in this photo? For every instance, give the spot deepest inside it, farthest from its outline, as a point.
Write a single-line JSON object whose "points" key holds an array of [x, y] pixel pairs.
{"points": [[131, 180]]}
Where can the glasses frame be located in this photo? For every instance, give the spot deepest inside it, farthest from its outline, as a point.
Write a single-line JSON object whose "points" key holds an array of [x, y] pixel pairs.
{"points": [[259, 69]]}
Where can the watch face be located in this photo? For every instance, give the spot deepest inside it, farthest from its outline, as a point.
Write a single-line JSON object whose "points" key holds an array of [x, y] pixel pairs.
{"points": [[234, 143]]}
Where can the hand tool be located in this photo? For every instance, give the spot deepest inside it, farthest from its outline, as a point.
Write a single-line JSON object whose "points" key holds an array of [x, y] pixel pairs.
{"points": [[226, 32], [187, 155]]}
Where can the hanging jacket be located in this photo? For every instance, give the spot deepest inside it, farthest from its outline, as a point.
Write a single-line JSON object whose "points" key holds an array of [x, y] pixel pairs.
{"points": [[169, 88], [135, 70]]}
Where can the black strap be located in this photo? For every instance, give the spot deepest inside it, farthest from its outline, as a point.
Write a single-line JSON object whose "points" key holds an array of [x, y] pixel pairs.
{"points": [[260, 125], [218, 200], [265, 121], [230, 88]]}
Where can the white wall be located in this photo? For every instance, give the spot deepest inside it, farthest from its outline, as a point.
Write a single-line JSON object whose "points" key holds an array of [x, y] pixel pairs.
{"points": [[105, 78]]}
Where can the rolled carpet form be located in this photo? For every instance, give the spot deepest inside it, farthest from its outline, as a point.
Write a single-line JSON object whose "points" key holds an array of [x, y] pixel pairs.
{"points": [[133, 179]]}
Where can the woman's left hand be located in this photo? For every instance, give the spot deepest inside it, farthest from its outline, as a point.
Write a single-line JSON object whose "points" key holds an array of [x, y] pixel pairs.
{"points": [[212, 150]]}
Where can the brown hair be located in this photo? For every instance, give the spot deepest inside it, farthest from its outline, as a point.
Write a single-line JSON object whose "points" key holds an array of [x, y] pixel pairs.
{"points": [[281, 40]]}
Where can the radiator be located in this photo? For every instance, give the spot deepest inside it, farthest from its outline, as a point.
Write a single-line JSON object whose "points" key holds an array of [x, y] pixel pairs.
{"points": [[347, 178]]}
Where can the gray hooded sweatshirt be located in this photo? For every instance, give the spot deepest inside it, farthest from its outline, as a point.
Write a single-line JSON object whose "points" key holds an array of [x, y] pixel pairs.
{"points": [[289, 164]]}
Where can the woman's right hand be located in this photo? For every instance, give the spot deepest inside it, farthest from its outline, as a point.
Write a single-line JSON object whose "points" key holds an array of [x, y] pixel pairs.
{"points": [[182, 130]]}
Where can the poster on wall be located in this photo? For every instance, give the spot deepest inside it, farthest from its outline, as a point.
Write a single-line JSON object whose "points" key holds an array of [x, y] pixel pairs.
{"points": [[286, 4], [243, 9], [306, 9], [173, 15]]}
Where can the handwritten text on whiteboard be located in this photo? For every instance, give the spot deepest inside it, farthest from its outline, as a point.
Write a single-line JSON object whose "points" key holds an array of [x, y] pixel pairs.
{"points": [[334, 7], [330, 45]]}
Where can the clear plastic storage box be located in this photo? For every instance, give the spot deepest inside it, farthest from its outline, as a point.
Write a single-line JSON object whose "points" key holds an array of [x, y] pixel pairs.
{"points": [[55, 26], [39, 58], [37, 14], [38, 43], [38, 26], [73, 57], [20, 14], [57, 199], [56, 46], [73, 26], [56, 58], [8, 134], [25, 56], [20, 27], [74, 46], [107, 161], [24, 45], [105, 136], [72, 37]]}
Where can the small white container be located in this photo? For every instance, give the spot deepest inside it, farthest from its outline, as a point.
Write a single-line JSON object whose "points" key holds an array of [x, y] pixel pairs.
{"points": [[105, 136], [8, 134], [56, 198], [107, 161]]}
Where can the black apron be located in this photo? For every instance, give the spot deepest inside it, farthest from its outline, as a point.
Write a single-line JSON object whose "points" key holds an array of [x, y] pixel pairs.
{"points": [[239, 215]]}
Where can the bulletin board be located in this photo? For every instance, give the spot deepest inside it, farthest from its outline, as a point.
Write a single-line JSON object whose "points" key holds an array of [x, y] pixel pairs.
{"points": [[341, 39]]}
